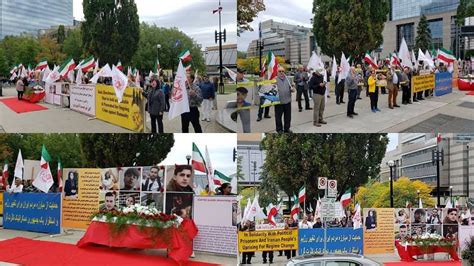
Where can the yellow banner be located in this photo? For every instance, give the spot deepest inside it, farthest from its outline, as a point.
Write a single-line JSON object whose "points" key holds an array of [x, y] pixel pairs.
{"points": [[1, 203], [128, 114], [268, 240], [423, 82], [80, 200], [379, 234]]}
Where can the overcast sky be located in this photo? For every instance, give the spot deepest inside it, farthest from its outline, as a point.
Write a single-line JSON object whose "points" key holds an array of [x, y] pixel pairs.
{"points": [[193, 17], [292, 12], [393, 141], [220, 147]]}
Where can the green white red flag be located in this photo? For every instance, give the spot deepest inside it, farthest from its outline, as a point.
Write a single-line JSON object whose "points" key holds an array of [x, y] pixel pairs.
{"points": [[272, 66], [302, 194], [370, 61], [346, 198], [197, 160], [44, 180], [5, 174], [295, 210], [446, 56], [66, 67], [185, 56], [41, 65]]}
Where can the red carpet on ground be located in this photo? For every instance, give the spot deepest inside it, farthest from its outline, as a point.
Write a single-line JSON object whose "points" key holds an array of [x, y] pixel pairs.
{"points": [[471, 93], [25, 251], [424, 263], [22, 106]]}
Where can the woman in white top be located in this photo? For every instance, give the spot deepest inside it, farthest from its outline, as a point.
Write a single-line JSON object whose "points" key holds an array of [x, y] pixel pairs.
{"points": [[17, 187]]}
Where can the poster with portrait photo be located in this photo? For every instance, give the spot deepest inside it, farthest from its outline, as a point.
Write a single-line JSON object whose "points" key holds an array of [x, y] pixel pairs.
{"points": [[451, 216], [370, 219], [179, 178], [152, 199], [402, 215], [108, 201], [467, 217], [71, 184], [130, 178], [65, 89], [418, 216], [434, 229], [179, 203], [434, 216], [153, 179], [128, 199], [109, 179], [418, 229], [402, 231]]}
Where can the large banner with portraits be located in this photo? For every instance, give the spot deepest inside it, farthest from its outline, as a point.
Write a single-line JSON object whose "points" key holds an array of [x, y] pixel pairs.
{"points": [[36, 212], [216, 220], [378, 230], [87, 191], [129, 114]]}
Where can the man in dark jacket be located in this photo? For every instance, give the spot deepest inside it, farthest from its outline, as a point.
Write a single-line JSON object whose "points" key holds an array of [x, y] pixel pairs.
{"points": [[156, 105], [318, 86], [351, 86], [208, 95], [301, 79]]}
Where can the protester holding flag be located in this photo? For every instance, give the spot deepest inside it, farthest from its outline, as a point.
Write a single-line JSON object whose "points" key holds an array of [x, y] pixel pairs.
{"points": [[156, 105], [195, 100], [16, 187], [291, 225], [373, 92], [318, 86], [247, 226]]}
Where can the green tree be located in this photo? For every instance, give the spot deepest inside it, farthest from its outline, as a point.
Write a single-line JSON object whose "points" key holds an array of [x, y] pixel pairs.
{"points": [[247, 10], [151, 36], [423, 35], [117, 150], [20, 49], [110, 30], [241, 55], [465, 10], [72, 45], [377, 195], [349, 26], [51, 51], [4, 68], [61, 36], [294, 160]]}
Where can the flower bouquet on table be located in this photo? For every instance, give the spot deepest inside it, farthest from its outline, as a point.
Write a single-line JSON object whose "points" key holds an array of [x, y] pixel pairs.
{"points": [[426, 240], [144, 217], [34, 94]]}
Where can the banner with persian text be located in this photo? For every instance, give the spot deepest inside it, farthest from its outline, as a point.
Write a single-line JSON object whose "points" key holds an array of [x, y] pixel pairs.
{"points": [[36, 212], [83, 99], [378, 230], [337, 240]]}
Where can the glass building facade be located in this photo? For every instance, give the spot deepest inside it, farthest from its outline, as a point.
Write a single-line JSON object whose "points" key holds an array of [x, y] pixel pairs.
{"points": [[406, 31], [29, 16], [436, 27], [401, 9]]}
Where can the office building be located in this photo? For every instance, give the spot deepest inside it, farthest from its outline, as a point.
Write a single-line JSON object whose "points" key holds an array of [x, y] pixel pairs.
{"points": [[294, 43], [229, 58], [29, 16], [413, 159], [403, 21]]}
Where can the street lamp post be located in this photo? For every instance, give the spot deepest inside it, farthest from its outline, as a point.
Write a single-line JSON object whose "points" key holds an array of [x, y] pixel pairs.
{"points": [[418, 193], [451, 194], [438, 156], [188, 157], [391, 164], [219, 37], [254, 164]]}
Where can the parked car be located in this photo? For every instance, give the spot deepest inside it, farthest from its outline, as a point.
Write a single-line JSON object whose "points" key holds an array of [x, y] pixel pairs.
{"points": [[332, 260]]}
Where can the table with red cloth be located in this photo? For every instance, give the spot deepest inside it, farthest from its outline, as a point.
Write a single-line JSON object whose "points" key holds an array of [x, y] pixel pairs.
{"points": [[35, 97], [177, 240], [407, 252]]}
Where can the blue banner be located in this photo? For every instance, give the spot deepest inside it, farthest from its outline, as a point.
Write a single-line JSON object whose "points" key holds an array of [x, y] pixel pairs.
{"points": [[36, 212], [443, 83], [338, 240]]}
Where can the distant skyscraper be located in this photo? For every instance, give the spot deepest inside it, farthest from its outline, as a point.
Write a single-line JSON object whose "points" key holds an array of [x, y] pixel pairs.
{"points": [[29, 16]]}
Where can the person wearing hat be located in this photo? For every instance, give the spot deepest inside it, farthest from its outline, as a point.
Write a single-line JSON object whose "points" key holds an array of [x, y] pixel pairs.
{"points": [[318, 86], [243, 109]]}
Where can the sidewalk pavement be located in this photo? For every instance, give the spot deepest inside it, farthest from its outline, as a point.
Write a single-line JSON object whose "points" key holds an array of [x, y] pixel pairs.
{"points": [[62, 120], [449, 113]]}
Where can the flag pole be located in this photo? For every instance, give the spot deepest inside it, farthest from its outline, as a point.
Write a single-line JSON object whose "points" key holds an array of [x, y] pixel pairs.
{"points": [[304, 201]]}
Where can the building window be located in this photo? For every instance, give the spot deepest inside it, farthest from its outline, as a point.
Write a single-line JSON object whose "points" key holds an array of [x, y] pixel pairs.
{"points": [[406, 31], [436, 27]]}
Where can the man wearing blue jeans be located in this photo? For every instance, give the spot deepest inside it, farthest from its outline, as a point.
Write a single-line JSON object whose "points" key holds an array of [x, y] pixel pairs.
{"points": [[352, 89]]}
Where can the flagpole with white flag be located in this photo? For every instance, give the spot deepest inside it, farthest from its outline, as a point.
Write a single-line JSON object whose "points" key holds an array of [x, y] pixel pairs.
{"points": [[210, 171], [19, 166], [44, 180], [179, 103]]}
